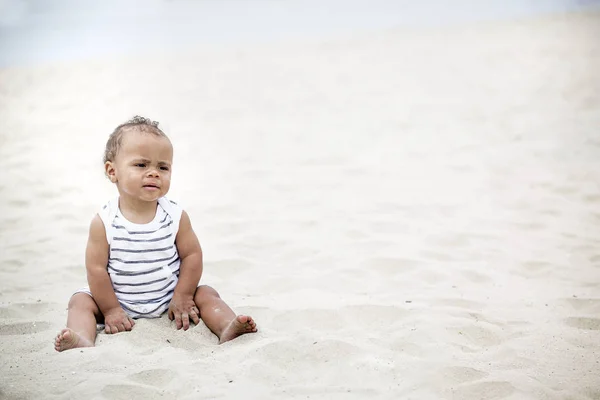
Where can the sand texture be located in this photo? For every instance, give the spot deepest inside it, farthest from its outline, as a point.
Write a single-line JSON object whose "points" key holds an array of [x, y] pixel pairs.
{"points": [[412, 214]]}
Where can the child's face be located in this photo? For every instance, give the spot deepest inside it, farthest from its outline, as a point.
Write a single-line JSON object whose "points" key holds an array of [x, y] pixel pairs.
{"points": [[142, 168]]}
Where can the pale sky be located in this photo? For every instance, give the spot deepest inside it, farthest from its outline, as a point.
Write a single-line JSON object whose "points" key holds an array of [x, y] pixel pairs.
{"points": [[33, 31]]}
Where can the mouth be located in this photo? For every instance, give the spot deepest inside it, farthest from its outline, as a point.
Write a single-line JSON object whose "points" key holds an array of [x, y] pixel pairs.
{"points": [[151, 187]]}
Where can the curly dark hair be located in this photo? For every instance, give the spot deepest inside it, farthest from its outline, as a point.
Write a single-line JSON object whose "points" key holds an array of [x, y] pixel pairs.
{"points": [[138, 123]]}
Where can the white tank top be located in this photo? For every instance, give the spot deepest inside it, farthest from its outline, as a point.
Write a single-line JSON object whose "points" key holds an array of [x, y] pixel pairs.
{"points": [[143, 261]]}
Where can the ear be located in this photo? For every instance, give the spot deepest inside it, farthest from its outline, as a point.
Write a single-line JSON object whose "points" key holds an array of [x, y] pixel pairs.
{"points": [[109, 170]]}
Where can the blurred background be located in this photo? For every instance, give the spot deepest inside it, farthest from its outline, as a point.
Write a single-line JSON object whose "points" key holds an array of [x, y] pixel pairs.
{"points": [[304, 116], [36, 30]]}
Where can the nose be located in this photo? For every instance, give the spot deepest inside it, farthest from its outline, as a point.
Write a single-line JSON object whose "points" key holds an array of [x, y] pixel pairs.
{"points": [[153, 172]]}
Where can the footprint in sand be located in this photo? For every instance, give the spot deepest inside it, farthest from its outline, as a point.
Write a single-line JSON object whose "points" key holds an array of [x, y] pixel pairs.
{"points": [[451, 376], [583, 305], [404, 346], [16, 203], [128, 392], [23, 310], [328, 320], [24, 328], [478, 336], [510, 360], [467, 305], [153, 377], [12, 265], [482, 390], [475, 277], [595, 258], [550, 212], [590, 324], [533, 268], [312, 354]]}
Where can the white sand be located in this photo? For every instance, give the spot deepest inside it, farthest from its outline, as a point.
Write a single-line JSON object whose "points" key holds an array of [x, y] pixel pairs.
{"points": [[406, 215]]}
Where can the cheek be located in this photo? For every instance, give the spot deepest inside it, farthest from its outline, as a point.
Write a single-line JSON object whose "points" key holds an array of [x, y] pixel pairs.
{"points": [[133, 175], [166, 180]]}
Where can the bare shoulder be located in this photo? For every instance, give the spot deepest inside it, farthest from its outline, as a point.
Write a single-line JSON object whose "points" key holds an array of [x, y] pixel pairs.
{"points": [[185, 220], [186, 240], [185, 226], [97, 232], [96, 254]]}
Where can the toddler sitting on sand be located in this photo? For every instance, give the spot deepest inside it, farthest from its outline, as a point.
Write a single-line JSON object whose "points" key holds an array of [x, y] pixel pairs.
{"points": [[142, 256]]}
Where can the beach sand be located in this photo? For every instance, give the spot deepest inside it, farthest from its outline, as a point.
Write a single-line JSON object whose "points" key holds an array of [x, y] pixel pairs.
{"points": [[407, 214]]}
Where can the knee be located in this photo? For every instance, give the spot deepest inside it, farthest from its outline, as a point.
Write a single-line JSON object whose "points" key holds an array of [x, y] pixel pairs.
{"points": [[204, 291], [79, 301]]}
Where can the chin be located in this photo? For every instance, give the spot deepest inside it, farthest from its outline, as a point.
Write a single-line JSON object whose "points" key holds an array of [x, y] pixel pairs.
{"points": [[148, 198]]}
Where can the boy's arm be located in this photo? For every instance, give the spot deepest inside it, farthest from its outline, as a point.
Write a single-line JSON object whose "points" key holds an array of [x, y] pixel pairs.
{"points": [[190, 253], [96, 263], [182, 306]]}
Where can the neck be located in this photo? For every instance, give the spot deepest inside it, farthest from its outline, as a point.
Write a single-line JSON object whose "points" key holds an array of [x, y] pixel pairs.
{"points": [[137, 211]]}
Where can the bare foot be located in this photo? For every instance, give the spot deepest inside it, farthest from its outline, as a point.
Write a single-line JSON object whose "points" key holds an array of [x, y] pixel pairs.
{"points": [[68, 339], [238, 326]]}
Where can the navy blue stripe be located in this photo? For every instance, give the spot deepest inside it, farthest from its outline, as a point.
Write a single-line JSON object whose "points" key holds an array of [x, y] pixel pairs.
{"points": [[152, 301], [143, 240], [143, 261], [141, 283], [143, 250], [147, 291], [142, 232], [137, 273]]}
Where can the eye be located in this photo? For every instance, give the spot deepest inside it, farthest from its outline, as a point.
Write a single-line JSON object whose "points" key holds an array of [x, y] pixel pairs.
{"points": [[164, 168], [141, 165]]}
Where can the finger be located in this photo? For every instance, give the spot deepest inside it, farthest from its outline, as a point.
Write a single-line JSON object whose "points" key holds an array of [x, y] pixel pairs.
{"points": [[178, 321], [171, 315], [121, 327], [185, 318], [132, 322], [127, 324], [112, 329], [194, 317]]}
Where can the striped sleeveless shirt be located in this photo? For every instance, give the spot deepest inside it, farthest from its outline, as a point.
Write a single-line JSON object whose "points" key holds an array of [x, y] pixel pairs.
{"points": [[143, 262]]}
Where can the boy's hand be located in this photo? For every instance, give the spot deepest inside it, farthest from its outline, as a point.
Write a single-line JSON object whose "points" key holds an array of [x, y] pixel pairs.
{"points": [[181, 309], [116, 320]]}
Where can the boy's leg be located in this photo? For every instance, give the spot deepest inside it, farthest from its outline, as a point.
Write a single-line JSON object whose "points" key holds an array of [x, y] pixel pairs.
{"points": [[219, 317], [81, 324]]}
